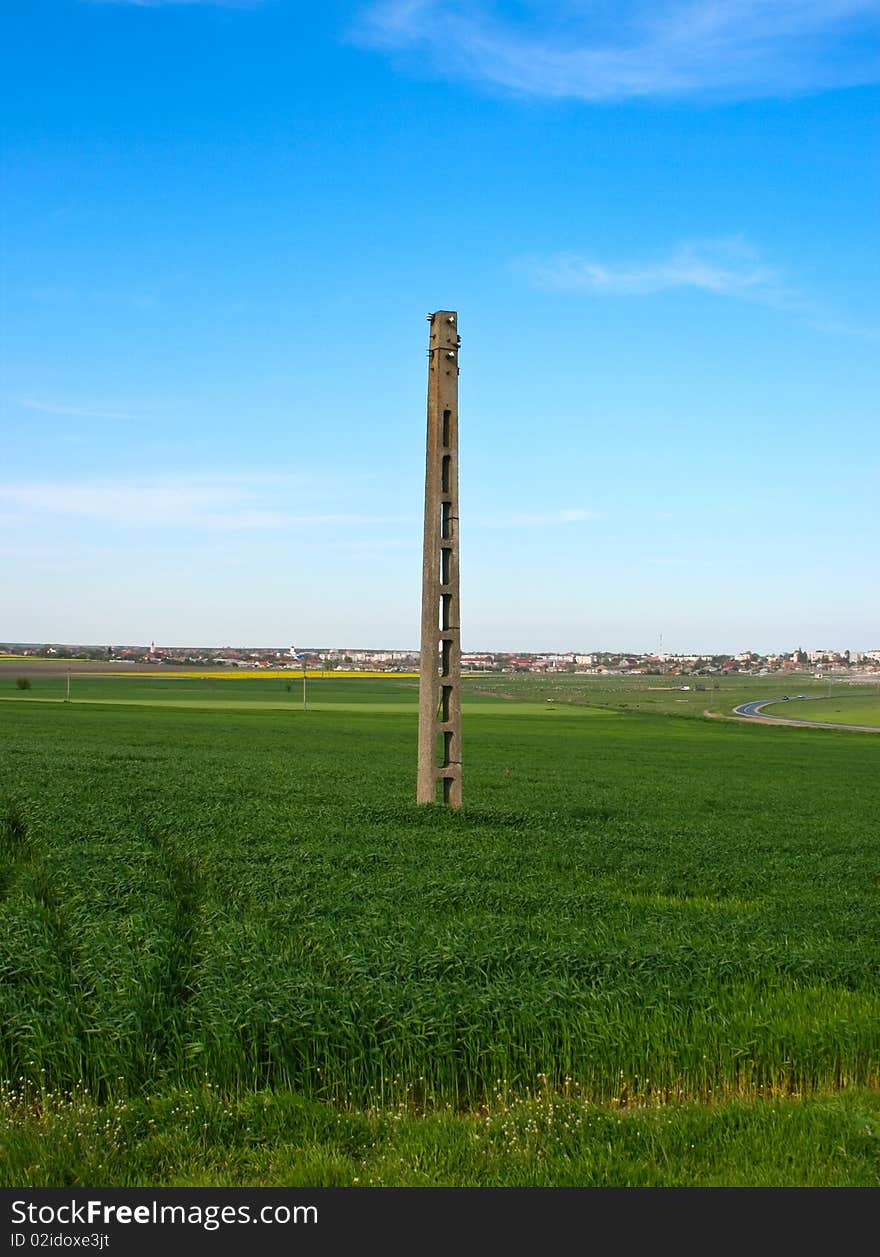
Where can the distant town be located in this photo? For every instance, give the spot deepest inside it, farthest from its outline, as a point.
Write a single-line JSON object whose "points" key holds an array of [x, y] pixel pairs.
{"points": [[351, 659]]}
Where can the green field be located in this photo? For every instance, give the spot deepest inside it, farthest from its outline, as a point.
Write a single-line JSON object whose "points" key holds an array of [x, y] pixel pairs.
{"points": [[670, 695], [271, 692], [282, 691], [677, 696], [845, 709], [234, 950]]}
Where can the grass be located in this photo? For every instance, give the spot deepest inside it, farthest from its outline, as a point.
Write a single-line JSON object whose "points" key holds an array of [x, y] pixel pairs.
{"points": [[280, 690], [845, 709], [633, 915], [199, 1137], [515, 693], [389, 693], [666, 695]]}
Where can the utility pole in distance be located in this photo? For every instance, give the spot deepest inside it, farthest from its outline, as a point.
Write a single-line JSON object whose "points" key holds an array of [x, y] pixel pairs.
{"points": [[440, 662]]}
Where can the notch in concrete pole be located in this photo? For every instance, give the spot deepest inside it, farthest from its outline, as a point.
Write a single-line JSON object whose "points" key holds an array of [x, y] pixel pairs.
{"points": [[439, 761]]}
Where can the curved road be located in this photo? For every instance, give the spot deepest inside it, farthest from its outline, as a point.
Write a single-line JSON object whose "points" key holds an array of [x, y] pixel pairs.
{"points": [[754, 709]]}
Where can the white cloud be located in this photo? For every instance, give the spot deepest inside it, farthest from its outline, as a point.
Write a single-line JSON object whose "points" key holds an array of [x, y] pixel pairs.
{"points": [[729, 267], [574, 515], [733, 49], [726, 267], [219, 503], [565, 515], [74, 412], [231, 503], [161, 4]]}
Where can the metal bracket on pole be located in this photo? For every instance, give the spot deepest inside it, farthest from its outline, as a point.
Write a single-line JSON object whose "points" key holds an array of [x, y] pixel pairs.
{"points": [[440, 664]]}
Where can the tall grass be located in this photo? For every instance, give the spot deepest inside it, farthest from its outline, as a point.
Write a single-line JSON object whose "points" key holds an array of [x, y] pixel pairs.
{"points": [[201, 1136], [634, 908]]}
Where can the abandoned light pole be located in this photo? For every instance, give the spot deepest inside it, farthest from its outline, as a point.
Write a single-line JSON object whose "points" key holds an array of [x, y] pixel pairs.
{"points": [[440, 663]]}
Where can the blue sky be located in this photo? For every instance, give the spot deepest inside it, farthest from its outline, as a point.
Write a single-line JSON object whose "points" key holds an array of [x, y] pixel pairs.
{"points": [[225, 222]]}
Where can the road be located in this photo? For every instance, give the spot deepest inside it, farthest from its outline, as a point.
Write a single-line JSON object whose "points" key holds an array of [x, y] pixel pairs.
{"points": [[754, 709]]}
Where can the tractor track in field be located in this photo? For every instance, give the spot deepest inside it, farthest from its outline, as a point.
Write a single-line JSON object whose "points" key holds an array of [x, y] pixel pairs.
{"points": [[186, 892]]}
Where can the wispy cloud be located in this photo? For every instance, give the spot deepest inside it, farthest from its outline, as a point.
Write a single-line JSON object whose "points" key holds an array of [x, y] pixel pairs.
{"points": [[135, 298], [565, 515], [234, 503], [221, 503], [729, 267], [734, 49], [73, 412], [161, 4], [725, 267]]}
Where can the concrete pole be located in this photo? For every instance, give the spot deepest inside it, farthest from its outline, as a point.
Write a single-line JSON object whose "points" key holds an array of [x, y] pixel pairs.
{"points": [[440, 664]]}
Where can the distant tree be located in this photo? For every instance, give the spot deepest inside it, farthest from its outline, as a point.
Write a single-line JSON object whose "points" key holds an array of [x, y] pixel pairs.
{"points": [[23, 683]]}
